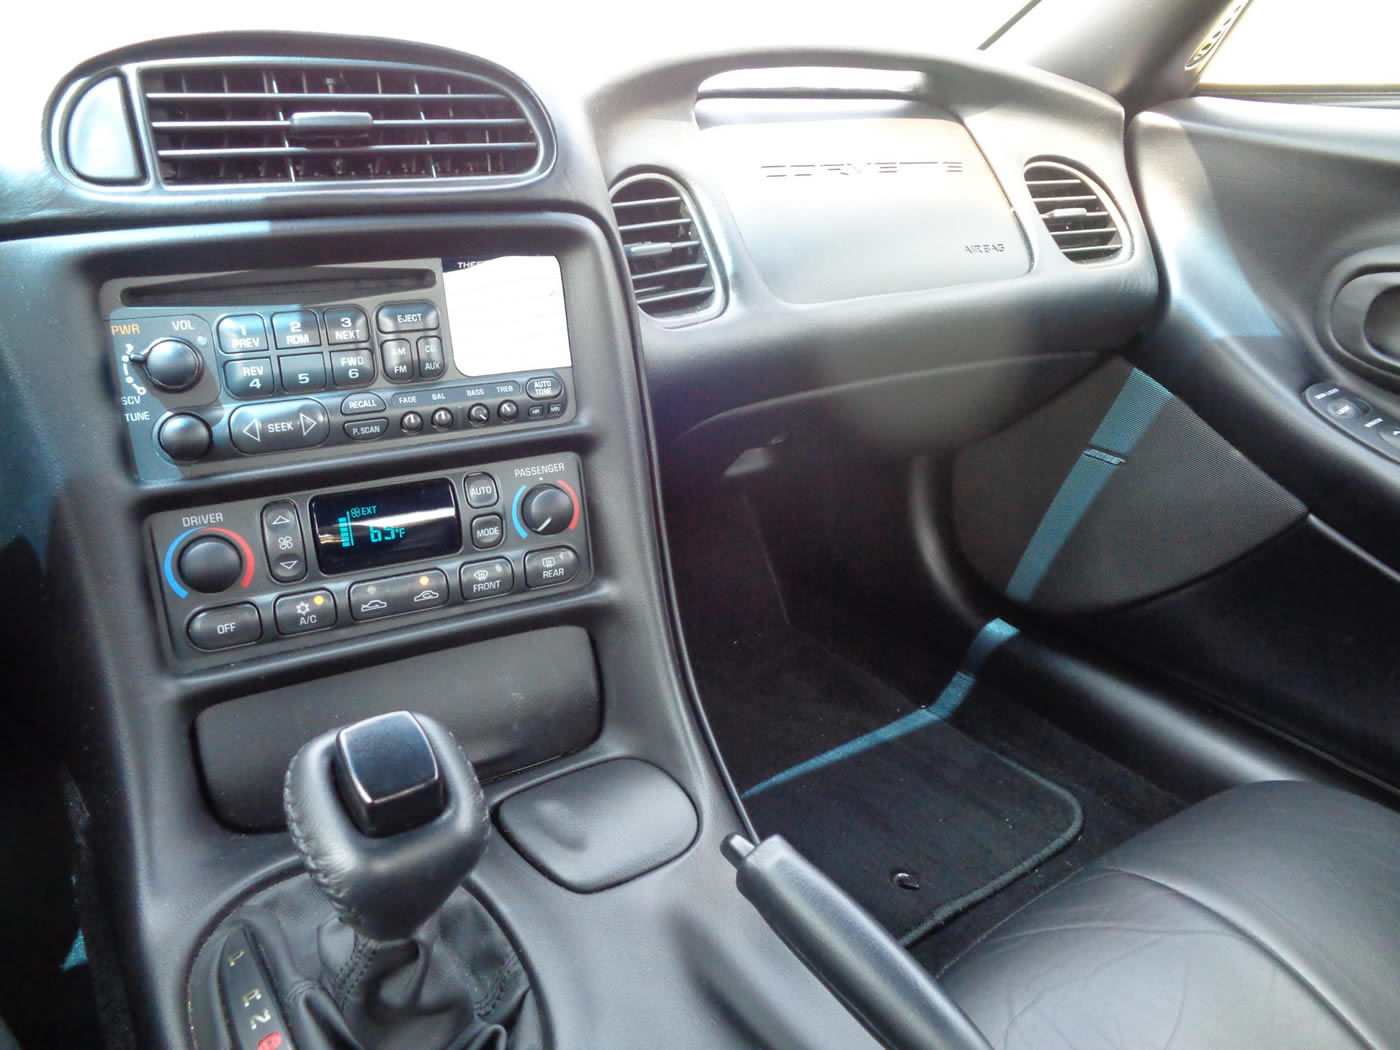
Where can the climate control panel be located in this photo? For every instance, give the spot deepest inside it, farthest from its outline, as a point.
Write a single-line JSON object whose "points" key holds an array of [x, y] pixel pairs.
{"points": [[257, 574], [222, 372]]}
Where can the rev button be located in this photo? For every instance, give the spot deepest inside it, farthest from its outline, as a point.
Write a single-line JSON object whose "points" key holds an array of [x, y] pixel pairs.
{"points": [[278, 426]]}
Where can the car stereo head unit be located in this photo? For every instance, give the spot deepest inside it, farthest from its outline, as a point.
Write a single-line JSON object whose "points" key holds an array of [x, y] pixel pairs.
{"points": [[215, 372]]}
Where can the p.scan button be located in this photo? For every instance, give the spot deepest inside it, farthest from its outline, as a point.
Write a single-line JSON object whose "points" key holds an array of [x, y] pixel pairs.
{"points": [[278, 426]]}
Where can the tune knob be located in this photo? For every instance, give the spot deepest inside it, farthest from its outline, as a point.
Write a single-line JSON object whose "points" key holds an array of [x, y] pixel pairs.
{"points": [[547, 509], [210, 564], [171, 364]]}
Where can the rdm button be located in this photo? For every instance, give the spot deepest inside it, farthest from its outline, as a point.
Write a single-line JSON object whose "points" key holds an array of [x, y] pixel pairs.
{"points": [[278, 426]]}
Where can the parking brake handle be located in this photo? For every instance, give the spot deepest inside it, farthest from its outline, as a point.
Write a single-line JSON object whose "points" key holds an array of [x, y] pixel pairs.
{"points": [[882, 986]]}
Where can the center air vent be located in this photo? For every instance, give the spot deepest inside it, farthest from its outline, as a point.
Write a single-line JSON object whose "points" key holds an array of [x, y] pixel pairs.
{"points": [[668, 253], [1076, 211], [312, 121]]}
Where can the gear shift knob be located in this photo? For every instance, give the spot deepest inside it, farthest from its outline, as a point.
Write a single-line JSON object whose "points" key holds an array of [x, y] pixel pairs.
{"points": [[389, 818]]}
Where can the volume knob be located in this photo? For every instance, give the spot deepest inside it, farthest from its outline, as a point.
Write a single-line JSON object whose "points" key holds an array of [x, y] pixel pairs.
{"points": [[171, 364]]}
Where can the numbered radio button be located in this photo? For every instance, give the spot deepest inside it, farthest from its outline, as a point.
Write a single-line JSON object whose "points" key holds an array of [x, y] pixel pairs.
{"points": [[225, 627], [550, 568], [303, 613], [243, 334], [487, 579], [346, 324], [303, 373], [295, 329], [250, 378], [282, 538], [351, 368]]}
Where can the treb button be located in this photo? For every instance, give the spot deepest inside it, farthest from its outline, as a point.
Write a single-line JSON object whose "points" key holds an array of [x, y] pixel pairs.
{"points": [[278, 426]]}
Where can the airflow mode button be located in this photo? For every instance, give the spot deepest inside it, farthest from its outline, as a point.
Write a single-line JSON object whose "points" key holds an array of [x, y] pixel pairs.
{"points": [[278, 426]]}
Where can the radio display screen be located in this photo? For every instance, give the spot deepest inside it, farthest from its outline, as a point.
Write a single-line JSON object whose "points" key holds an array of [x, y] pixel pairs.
{"points": [[370, 528]]}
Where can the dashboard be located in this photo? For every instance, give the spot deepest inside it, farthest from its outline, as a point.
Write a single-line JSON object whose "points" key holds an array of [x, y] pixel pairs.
{"points": [[344, 375]]}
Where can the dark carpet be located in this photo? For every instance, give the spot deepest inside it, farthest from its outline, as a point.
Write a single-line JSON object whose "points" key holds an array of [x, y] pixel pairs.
{"points": [[920, 827]]}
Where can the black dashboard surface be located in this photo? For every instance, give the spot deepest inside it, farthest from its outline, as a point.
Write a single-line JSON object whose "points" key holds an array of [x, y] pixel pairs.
{"points": [[877, 357]]}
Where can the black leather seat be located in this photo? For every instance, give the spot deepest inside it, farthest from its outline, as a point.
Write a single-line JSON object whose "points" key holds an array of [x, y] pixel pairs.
{"points": [[1267, 917]]}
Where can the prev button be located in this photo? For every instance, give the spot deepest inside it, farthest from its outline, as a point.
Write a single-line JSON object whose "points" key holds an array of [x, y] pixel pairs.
{"points": [[550, 568], [278, 426]]}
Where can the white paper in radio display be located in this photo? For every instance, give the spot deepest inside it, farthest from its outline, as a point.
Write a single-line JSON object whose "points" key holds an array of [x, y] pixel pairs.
{"points": [[507, 314]]}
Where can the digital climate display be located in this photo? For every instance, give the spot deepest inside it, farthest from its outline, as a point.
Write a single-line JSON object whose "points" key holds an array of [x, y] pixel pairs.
{"points": [[384, 526]]}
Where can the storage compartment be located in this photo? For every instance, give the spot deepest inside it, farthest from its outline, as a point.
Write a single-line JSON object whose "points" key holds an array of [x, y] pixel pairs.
{"points": [[511, 702]]}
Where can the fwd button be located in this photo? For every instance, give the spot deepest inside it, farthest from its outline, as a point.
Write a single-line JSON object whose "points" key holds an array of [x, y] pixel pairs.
{"points": [[278, 426]]}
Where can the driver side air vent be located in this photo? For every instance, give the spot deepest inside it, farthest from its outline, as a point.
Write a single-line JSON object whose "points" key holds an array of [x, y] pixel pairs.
{"points": [[668, 250], [1076, 211], [309, 120]]}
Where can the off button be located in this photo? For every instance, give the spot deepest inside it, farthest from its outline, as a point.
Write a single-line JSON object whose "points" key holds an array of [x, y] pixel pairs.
{"points": [[225, 627], [278, 426]]}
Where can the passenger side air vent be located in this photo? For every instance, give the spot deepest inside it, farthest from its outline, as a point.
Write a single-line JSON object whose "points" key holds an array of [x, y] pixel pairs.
{"points": [[668, 250], [1076, 211], [306, 120]]}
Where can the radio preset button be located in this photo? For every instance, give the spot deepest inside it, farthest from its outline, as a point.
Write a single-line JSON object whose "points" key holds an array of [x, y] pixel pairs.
{"points": [[303, 613], [488, 531], [242, 333], [398, 360], [346, 324], [431, 361], [487, 579], [282, 539], [542, 388], [295, 329], [413, 592], [225, 627], [361, 404], [550, 568], [184, 438], [250, 378], [481, 490], [407, 317], [279, 426], [303, 373], [352, 367], [366, 429]]}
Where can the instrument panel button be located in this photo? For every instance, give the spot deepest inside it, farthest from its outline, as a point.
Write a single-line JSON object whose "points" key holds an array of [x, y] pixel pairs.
{"points": [[242, 334], [303, 613], [346, 324], [303, 373], [278, 426], [406, 317], [487, 579], [481, 490], [550, 568], [488, 531], [250, 378], [282, 539], [295, 329], [225, 627], [413, 592]]}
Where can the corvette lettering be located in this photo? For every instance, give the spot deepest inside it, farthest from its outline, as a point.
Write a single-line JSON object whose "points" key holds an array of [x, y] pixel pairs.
{"points": [[849, 169]]}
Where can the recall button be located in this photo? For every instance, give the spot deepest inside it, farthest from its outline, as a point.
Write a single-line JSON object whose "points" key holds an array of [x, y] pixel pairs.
{"points": [[487, 579], [361, 404], [550, 568], [278, 426], [225, 627]]}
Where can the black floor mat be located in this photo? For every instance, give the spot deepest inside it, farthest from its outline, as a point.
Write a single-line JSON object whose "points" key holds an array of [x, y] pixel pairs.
{"points": [[955, 820]]}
